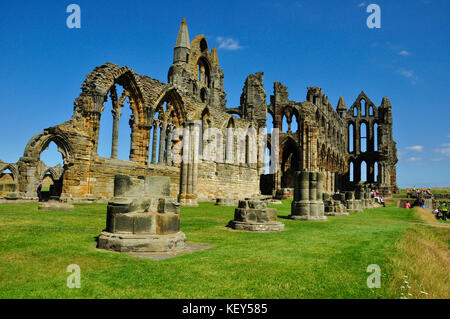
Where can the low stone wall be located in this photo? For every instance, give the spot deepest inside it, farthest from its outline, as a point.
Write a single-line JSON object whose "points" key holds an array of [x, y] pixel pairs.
{"points": [[217, 180], [104, 175], [7, 188], [441, 196]]}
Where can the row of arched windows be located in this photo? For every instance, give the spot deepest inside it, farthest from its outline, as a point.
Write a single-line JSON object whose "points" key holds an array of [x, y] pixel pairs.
{"points": [[365, 138], [362, 109], [364, 172]]}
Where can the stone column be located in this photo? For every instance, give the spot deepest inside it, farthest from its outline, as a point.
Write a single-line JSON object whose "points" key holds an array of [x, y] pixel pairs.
{"points": [[190, 156], [187, 195], [116, 112], [308, 197], [195, 156], [184, 161], [313, 194], [155, 139], [357, 138], [319, 194], [300, 208], [162, 143], [169, 156]]}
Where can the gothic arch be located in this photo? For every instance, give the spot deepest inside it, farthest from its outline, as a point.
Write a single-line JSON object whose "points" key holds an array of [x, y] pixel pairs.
{"points": [[100, 81], [52, 172], [204, 71], [290, 157], [40, 142], [12, 168], [173, 97]]}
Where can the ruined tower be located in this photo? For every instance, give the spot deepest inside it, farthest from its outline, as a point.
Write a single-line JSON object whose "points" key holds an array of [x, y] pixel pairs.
{"points": [[195, 70]]}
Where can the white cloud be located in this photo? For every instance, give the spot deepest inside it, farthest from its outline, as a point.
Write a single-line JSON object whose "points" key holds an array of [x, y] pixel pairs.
{"points": [[228, 44], [404, 53], [415, 159], [416, 148], [409, 74], [444, 150]]}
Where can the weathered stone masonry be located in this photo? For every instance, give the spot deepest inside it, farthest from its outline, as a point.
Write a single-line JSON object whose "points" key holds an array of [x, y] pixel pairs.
{"points": [[169, 136]]}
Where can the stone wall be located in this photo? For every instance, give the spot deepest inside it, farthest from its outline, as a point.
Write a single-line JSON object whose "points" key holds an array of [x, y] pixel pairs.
{"points": [[226, 181], [174, 120]]}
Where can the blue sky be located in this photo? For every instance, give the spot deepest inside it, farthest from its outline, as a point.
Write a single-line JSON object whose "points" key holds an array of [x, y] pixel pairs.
{"points": [[299, 43]]}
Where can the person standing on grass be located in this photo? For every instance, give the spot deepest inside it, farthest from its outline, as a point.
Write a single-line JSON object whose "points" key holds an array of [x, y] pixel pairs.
{"points": [[39, 188], [436, 213], [444, 211], [422, 203], [407, 205]]}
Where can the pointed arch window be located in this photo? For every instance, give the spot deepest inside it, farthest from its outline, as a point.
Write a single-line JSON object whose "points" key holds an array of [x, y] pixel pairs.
{"points": [[203, 72], [363, 133], [351, 138], [351, 172], [375, 137], [375, 172], [363, 107], [363, 171], [229, 145]]}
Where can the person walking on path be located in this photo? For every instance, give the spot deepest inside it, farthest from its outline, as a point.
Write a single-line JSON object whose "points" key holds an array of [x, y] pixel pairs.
{"points": [[39, 187], [444, 211]]}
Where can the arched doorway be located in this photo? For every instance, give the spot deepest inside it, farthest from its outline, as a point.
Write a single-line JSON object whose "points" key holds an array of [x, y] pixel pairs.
{"points": [[47, 153], [289, 163], [51, 171]]}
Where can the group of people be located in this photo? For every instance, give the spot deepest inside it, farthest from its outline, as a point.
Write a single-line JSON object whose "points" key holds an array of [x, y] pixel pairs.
{"points": [[420, 201], [441, 212], [419, 192], [377, 197]]}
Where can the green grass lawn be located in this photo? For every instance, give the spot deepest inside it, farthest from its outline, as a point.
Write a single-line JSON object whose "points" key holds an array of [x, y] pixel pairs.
{"points": [[307, 260]]}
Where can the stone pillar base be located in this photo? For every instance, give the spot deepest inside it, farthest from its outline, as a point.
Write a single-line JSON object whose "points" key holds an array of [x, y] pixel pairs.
{"points": [[257, 227], [188, 200], [254, 215], [141, 242]]}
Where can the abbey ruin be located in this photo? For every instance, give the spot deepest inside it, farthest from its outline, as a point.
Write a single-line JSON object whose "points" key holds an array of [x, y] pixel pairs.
{"points": [[184, 131]]}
